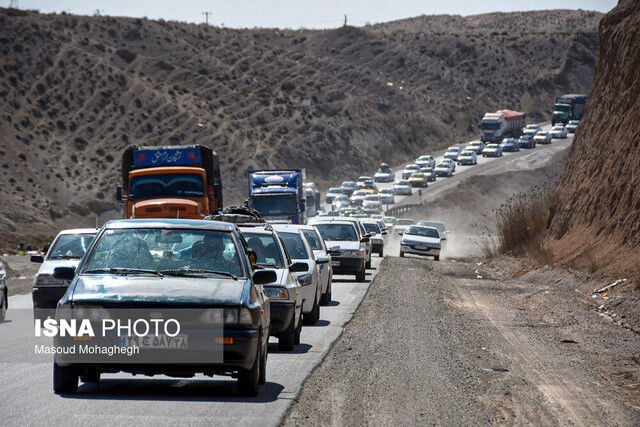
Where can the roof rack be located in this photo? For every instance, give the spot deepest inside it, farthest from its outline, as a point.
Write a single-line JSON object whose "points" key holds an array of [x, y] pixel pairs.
{"points": [[238, 215]]}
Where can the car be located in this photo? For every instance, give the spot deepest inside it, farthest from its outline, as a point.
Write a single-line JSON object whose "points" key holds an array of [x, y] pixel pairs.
{"points": [[409, 169], [531, 129], [429, 172], [371, 207], [510, 145], [426, 160], [339, 201], [323, 258], [452, 153], [527, 141], [348, 211], [492, 150], [468, 157], [377, 235], [369, 188], [356, 219], [420, 240], [358, 197], [387, 196], [285, 294], [300, 250], [402, 224], [572, 126], [402, 188], [542, 138], [152, 269], [559, 132], [438, 225], [384, 174], [419, 179], [349, 187], [389, 221], [66, 250], [344, 234], [332, 193], [444, 168], [363, 178], [476, 146], [4, 293]]}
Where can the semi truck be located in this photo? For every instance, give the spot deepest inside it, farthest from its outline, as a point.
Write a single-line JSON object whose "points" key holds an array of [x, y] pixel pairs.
{"points": [[501, 124], [568, 107], [278, 194], [180, 181]]}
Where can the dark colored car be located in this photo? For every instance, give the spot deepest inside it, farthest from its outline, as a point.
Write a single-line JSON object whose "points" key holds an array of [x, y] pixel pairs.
{"points": [[526, 141], [196, 270]]}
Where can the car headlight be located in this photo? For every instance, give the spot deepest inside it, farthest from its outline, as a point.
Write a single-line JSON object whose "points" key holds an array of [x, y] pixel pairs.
{"points": [[92, 313], [274, 292], [227, 316], [48, 280], [352, 252], [305, 279]]}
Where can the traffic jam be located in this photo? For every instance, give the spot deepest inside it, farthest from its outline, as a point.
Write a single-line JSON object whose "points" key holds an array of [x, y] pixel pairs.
{"points": [[234, 279]]}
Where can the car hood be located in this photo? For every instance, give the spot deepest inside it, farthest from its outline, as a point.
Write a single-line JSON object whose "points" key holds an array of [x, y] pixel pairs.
{"points": [[491, 148], [162, 290], [344, 244], [421, 239], [48, 266]]}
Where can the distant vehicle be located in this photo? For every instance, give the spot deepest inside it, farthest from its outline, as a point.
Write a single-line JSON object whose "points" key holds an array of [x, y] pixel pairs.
{"points": [[347, 237], [492, 150], [387, 196], [445, 168], [332, 193], [468, 157], [323, 258], [527, 141], [494, 127], [452, 153], [313, 196], [348, 211], [278, 194], [510, 145], [384, 174], [362, 180], [421, 241], [402, 188], [340, 201], [358, 197], [349, 187], [285, 294], [429, 172], [542, 138], [476, 146], [372, 207], [409, 169], [426, 160], [4, 293], [402, 224], [67, 250], [572, 126], [390, 221], [568, 107], [531, 129], [369, 188], [377, 235], [559, 132], [419, 179]]}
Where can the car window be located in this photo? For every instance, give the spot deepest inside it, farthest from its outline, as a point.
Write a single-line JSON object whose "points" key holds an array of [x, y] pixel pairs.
{"points": [[70, 246], [337, 231], [416, 230], [266, 249], [372, 228], [313, 239], [295, 245]]}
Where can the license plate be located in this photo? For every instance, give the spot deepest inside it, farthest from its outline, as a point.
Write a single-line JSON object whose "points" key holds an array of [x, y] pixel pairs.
{"points": [[160, 342], [335, 263]]}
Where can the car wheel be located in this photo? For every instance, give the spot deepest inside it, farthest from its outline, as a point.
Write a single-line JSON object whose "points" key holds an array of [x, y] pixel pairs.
{"points": [[360, 276], [326, 297], [436, 258], [381, 253], [248, 379], [65, 379], [296, 338], [313, 317], [286, 339], [3, 306], [401, 254], [90, 376], [263, 365], [368, 264]]}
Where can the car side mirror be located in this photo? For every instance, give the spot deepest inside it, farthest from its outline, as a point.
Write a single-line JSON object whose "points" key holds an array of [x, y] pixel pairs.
{"points": [[37, 258], [299, 267], [263, 277], [119, 194], [384, 232], [365, 239], [64, 273]]}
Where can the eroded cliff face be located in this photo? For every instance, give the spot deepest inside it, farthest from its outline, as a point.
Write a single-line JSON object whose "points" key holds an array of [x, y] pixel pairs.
{"points": [[596, 224]]}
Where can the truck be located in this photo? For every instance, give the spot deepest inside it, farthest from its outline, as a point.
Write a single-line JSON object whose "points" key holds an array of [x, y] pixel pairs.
{"points": [[278, 194], [568, 107], [501, 124], [181, 181], [313, 197]]}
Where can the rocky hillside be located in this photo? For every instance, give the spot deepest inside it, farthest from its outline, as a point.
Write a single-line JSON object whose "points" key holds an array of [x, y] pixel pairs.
{"points": [[75, 91], [597, 221]]}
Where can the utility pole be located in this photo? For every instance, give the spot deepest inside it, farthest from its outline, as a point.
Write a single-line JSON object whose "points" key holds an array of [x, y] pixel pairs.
{"points": [[13, 4], [96, 12], [206, 17], [345, 19]]}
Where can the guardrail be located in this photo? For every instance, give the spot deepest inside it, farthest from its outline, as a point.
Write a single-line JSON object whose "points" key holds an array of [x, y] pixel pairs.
{"points": [[402, 209]]}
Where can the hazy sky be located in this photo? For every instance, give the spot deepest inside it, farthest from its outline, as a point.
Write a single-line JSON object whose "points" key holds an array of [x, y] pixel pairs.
{"points": [[299, 13]]}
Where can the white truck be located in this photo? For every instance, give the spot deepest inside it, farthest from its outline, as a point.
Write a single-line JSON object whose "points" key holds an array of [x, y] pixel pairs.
{"points": [[501, 124]]}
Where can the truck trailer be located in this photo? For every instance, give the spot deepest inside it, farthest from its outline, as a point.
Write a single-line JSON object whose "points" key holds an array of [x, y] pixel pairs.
{"points": [[501, 124], [278, 194], [568, 107]]}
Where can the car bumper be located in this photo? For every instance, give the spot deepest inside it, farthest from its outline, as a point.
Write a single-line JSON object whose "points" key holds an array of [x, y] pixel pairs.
{"points": [[409, 249], [45, 299], [418, 183], [377, 247], [465, 162], [282, 314], [383, 179], [346, 265], [442, 173], [491, 154]]}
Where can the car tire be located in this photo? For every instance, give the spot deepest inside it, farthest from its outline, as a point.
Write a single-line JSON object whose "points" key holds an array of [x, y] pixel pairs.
{"points": [[3, 306], [248, 379], [401, 254], [65, 379], [381, 253], [436, 257], [262, 378], [286, 339], [313, 317], [90, 376], [296, 338], [326, 297], [360, 276]]}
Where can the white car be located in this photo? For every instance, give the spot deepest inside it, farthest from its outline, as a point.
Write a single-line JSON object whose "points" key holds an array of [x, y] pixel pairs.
{"points": [[492, 150], [384, 174], [389, 221], [358, 197], [323, 258], [445, 168], [572, 126], [340, 201], [377, 235], [438, 225], [558, 132], [402, 188], [468, 157], [421, 241], [370, 207], [387, 196], [452, 153], [67, 250], [409, 170], [532, 129], [426, 161], [542, 138], [346, 236], [402, 224], [476, 146]]}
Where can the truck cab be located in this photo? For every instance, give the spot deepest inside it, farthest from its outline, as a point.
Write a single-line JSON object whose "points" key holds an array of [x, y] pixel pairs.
{"points": [[278, 194]]}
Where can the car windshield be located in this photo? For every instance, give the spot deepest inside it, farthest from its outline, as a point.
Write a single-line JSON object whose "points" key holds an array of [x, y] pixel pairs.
{"points": [[385, 170], [156, 250], [70, 246], [348, 184], [412, 167], [405, 222], [490, 125], [337, 232], [416, 230], [467, 153], [170, 184], [372, 228], [295, 245], [266, 248], [313, 239], [275, 205]]}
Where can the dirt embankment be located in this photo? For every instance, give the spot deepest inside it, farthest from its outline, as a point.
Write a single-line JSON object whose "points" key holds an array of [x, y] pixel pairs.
{"points": [[597, 221], [76, 90]]}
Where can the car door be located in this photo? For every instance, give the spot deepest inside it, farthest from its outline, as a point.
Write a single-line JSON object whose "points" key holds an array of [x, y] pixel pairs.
{"points": [[257, 291], [322, 258], [291, 276]]}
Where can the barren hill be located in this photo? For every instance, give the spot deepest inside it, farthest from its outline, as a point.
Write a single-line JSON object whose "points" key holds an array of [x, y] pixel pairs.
{"points": [[75, 91]]}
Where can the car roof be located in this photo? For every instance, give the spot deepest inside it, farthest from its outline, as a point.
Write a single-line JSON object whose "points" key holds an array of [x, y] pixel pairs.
{"points": [[78, 231], [292, 228], [255, 230], [196, 224]]}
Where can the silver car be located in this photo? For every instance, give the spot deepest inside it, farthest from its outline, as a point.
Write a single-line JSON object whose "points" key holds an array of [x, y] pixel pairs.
{"points": [[426, 161], [377, 235], [542, 138], [452, 153], [468, 157], [445, 168], [409, 170], [476, 146], [387, 196], [402, 188]]}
